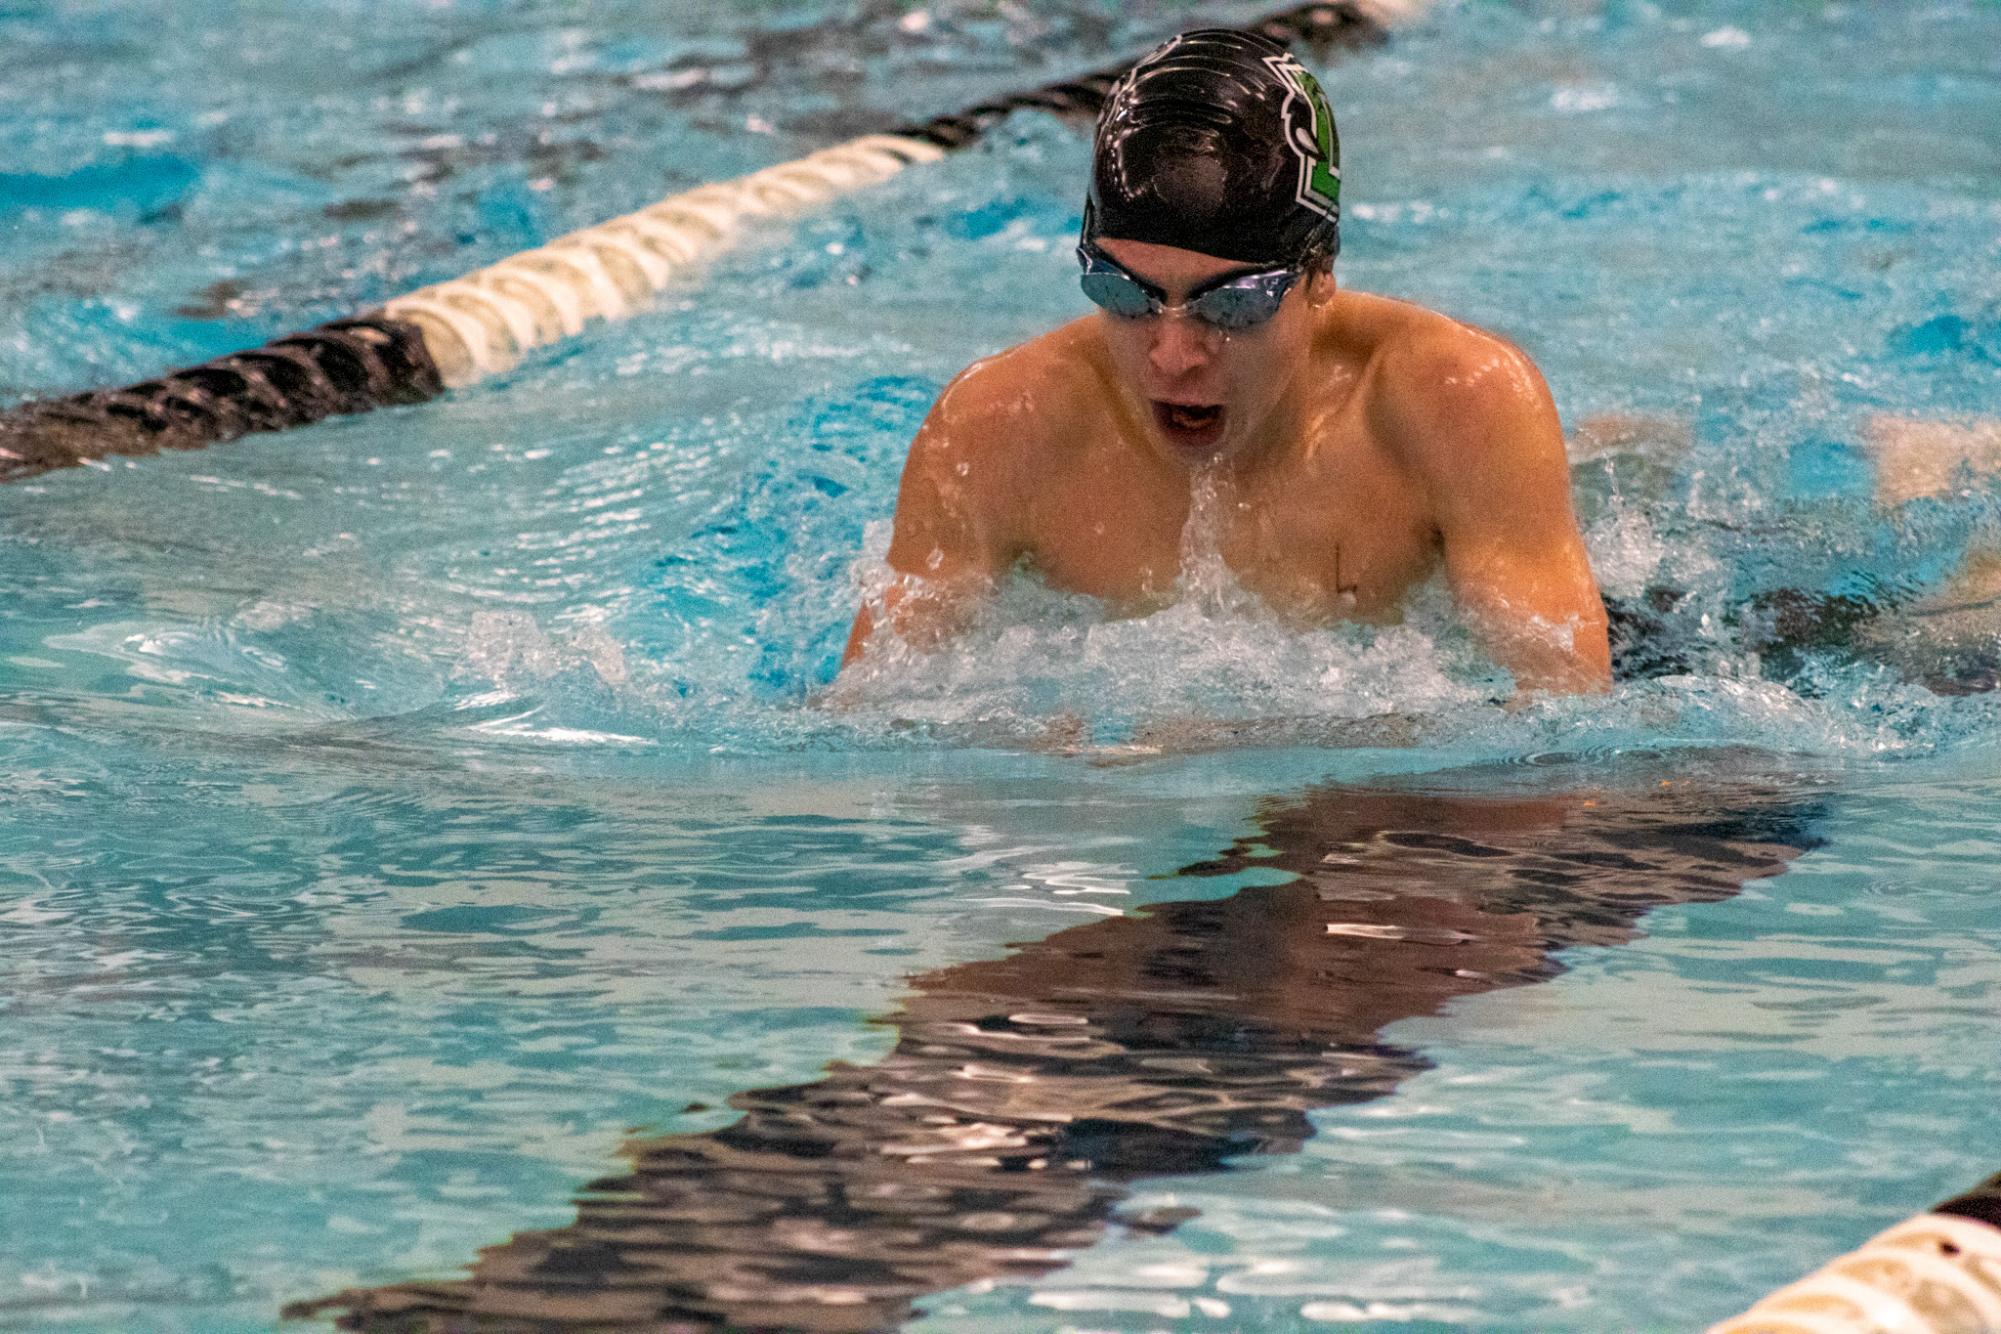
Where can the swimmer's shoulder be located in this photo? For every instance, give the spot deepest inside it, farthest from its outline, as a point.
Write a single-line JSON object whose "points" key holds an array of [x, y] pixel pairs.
{"points": [[991, 431], [1029, 396], [1436, 386]]}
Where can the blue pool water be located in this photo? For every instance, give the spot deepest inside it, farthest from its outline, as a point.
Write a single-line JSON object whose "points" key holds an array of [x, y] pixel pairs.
{"points": [[403, 814]]}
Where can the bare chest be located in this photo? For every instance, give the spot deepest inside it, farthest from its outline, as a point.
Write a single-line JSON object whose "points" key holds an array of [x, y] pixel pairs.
{"points": [[1317, 545]]}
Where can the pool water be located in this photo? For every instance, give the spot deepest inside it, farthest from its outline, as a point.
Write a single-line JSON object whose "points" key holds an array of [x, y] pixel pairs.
{"points": [[409, 819]]}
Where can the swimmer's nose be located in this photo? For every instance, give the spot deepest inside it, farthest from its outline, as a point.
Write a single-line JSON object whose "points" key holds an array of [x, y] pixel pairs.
{"points": [[1180, 345]]}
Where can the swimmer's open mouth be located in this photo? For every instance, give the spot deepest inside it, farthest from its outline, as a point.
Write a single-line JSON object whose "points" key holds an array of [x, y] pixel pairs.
{"points": [[1190, 425]]}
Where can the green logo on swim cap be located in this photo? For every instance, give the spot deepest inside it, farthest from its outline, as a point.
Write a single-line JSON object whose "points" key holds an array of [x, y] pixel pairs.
{"points": [[1309, 129]]}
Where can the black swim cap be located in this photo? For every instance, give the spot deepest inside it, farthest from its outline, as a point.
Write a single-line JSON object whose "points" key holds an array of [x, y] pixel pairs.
{"points": [[1219, 141]]}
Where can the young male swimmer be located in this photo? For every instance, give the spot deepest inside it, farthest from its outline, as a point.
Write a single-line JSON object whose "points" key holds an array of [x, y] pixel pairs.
{"points": [[1355, 443]]}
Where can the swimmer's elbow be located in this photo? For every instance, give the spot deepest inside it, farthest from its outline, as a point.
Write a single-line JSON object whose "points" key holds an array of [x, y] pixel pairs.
{"points": [[858, 636], [920, 613], [1549, 645]]}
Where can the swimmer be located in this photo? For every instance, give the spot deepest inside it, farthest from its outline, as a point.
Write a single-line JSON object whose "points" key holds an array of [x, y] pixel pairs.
{"points": [[1351, 444]]}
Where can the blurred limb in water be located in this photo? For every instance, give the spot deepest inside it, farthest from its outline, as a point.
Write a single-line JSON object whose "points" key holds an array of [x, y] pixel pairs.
{"points": [[1917, 458], [1951, 632], [1948, 637], [1024, 1095]]}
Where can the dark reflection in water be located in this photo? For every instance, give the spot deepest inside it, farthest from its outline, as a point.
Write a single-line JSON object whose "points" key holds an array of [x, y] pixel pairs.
{"points": [[1025, 1093]]}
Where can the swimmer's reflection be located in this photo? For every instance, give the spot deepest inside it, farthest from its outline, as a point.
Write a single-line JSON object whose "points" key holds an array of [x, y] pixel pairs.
{"points": [[1023, 1094]]}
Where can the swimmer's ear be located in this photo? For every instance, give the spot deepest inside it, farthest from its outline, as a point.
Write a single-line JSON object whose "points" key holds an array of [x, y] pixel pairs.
{"points": [[1319, 286]]}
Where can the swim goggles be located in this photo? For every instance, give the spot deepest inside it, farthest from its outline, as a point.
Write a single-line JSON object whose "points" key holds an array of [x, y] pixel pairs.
{"points": [[1229, 303]]}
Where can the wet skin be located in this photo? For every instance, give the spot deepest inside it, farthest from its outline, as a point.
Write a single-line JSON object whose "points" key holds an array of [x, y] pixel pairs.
{"points": [[1355, 445], [1025, 1094]]}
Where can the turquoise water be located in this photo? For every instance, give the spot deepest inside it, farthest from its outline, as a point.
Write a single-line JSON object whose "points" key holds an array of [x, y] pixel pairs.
{"points": [[403, 813]]}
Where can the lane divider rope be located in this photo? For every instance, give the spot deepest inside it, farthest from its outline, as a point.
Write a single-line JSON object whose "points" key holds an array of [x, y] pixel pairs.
{"points": [[484, 323], [455, 333], [1937, 1273]]}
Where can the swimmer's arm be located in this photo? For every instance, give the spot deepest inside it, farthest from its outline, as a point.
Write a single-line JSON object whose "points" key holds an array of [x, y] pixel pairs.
{"points": [[952, 539], [1485, 435]]}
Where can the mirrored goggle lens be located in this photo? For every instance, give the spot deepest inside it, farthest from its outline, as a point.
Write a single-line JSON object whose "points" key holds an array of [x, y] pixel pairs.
{"points": [[1239, 306], [1116, 293]]}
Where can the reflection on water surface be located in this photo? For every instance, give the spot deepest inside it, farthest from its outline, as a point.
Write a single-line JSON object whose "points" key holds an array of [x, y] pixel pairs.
{"points": [[1024, 1094]]}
